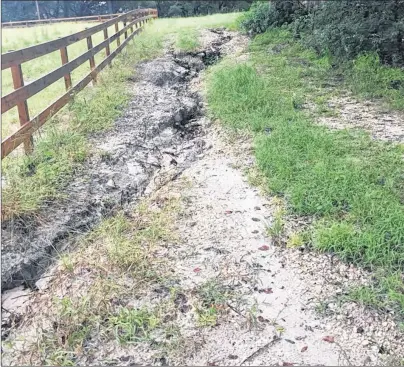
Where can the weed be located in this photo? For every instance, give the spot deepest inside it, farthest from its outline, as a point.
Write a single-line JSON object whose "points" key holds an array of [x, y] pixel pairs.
{"points": [[276, 229], [295, 240], [67, 262], [213, 297], [207, 316], [131, 325], [252, 315]]}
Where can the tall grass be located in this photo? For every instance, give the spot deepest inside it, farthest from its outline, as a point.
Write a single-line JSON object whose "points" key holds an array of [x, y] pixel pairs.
{"points": [[351, 185]]}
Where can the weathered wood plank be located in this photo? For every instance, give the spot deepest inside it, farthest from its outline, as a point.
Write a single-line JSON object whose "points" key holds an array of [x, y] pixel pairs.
{"points": [[32, 52], [16, 139], [12, 99]]}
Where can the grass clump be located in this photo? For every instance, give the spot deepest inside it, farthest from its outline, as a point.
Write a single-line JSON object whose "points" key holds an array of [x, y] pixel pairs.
{"points": [[131, 325], [352, 185], [213, 298], [187, 40]]}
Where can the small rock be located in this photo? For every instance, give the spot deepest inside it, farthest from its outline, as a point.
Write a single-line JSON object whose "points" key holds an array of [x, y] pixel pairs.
{"points": [[255, 219], [178, 117], [111, 183]]}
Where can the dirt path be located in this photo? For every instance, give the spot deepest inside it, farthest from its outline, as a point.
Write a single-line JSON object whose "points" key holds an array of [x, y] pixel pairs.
{"points": [[240, 298]]}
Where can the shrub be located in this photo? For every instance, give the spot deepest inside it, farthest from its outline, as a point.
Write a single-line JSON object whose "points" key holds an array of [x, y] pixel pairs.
{"points": [[344, 29], [264, 15], [348, 28]]}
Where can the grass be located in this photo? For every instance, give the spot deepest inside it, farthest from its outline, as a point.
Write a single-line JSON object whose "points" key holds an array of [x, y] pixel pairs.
{"points": [[62, 147], [370, 79], [213, 297], [351, 185], [119, 257], [133, 325]]}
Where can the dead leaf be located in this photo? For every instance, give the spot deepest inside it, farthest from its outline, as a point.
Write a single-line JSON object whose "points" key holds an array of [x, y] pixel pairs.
{"points": [[329, 339], [212, 364], [228, 211], [304, 348], [288, 364], [262, 319], [263, 248], [197, 270], [232, 356], [266, 290]]}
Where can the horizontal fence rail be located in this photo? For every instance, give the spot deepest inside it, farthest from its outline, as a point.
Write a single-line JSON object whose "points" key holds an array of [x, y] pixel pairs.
{"points": [[13, 60], [90, 18]]}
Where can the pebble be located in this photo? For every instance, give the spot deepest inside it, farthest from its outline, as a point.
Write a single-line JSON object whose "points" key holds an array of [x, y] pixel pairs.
{"points": [[111, 183]]}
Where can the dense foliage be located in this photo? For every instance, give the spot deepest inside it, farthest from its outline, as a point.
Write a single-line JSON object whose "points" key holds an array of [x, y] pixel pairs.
{"points": [[343, 28], [24, 10]]}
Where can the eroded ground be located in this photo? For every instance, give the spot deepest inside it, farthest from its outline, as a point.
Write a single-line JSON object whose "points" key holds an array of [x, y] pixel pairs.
{"points": [[191, 275]]}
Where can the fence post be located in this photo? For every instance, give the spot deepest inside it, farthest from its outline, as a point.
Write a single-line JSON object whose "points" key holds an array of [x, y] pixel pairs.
{"points": [[92, 60], [65, 60], [126, 32], [107, 49], [131, 27], [23, 113], [118, 40]]}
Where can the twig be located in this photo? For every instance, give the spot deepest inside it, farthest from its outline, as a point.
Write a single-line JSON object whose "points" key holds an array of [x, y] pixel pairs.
{"points": [[344, 353], [260, 350], [236, 311]]}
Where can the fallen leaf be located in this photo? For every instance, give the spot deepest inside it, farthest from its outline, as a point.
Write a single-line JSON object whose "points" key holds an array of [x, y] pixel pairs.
{"points": [[228, 211], [263, 248], [329, 339], [266, 290], [304, 348], [232, 356], [197, 270], [212, 364], [287, 364]]}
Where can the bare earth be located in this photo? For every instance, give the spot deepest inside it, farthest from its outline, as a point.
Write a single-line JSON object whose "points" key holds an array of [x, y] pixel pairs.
{"points": [[273, 316]]}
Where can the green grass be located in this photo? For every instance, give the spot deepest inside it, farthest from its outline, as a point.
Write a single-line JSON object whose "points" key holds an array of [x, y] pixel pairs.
{"points": [[187, 40], [370, 79], [131, 325], [353, 186], [213, 298]]}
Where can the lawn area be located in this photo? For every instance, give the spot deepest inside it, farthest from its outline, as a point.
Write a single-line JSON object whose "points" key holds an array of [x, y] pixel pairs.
{"points": [[352, 186], [62, 145]]}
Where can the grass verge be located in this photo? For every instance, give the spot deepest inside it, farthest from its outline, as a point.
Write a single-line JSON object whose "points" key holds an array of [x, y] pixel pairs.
{"points": [[351, 185]]}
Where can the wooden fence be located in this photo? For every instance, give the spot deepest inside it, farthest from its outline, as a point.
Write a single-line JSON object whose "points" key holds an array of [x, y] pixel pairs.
{"points": [[22, 93], [28, 23]]}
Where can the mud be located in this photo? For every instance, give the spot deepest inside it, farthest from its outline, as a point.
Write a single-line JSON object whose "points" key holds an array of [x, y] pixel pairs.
{"points": [[158, 136]]}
